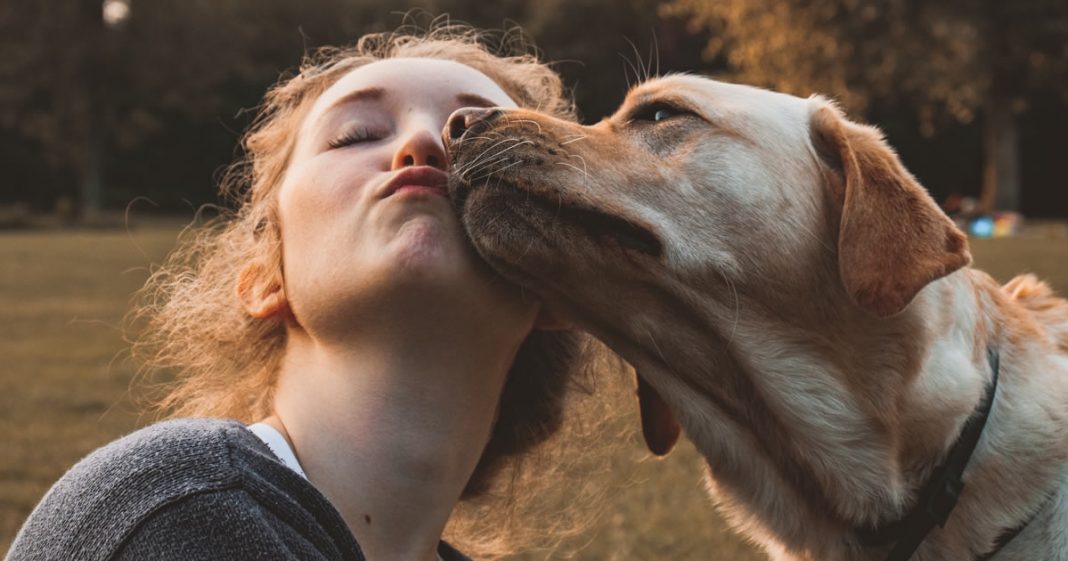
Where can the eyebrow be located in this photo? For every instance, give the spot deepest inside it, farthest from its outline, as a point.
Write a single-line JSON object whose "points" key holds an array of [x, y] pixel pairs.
{"points": [[657, 97], [366, 94]]}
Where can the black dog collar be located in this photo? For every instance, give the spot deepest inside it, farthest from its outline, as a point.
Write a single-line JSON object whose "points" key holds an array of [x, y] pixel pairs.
{"points": [[939, 495]]}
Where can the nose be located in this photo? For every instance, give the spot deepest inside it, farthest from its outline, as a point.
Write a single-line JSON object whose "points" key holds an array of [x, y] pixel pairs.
{"points": [[474, 119], [422, 148]]}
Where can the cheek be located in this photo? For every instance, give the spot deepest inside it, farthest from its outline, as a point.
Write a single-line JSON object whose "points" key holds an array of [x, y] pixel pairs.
{"points": [[316, 214], [314, 189], [323, 191]]}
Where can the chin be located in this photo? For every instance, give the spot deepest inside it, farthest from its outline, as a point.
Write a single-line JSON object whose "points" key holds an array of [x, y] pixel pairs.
{"points": [[427, 246]]}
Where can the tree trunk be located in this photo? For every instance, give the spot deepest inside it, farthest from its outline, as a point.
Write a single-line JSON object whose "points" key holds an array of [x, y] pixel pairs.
{"points": [[92, 179], [1001, 158], [93, 76]]}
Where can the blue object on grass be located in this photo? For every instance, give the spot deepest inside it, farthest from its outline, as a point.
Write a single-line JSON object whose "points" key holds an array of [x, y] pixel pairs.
{"points": [[982, 227]]}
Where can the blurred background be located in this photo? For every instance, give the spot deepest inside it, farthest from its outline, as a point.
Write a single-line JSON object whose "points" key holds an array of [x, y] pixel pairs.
{"points": [[117, 118]]}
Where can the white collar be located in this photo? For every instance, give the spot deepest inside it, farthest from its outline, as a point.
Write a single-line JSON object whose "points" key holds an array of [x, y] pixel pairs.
{"points": [[278, 445]]}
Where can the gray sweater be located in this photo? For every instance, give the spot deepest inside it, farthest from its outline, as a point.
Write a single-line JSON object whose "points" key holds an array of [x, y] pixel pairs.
{"points": [[186, 489]]}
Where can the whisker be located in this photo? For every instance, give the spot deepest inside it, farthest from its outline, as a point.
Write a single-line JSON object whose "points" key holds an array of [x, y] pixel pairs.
{"points": [[585, 171], [638, 75], [585, 175], [483, 159], [626, 74], [518, 143], [656, 51], [535, 123], [499, 156], [585, 168], [572, 166], [479, 159], [496, 171], [511, 165]]}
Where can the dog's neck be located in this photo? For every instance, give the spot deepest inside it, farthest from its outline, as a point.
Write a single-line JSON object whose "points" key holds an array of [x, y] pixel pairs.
{"points": [[812, 430]]}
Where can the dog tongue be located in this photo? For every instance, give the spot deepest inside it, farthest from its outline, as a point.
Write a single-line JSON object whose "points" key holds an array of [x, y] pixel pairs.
{"points": [[659, 427]]}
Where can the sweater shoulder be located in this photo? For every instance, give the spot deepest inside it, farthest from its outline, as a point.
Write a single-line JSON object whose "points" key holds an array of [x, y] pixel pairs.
{"points": [[90, 510], [226, 525]]}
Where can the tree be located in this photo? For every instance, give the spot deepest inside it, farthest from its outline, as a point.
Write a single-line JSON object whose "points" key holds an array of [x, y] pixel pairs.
{"points": [[79, 89], [149, 108], [600, 47], [952, 59], [45, 45]]}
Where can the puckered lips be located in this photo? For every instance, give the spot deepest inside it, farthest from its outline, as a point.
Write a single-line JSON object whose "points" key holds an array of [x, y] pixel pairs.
{"points": [[416, 180]]}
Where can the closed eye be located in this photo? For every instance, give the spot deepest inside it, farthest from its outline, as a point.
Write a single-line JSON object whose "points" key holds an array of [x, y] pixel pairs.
{"points": [[659, 111], [355, 136]]}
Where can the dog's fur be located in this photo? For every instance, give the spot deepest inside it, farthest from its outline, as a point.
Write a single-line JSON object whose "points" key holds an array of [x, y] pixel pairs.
{"points": [[799, 302]]}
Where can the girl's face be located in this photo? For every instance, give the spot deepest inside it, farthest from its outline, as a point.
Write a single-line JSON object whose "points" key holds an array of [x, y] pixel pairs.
{"points": [[366, 224]]}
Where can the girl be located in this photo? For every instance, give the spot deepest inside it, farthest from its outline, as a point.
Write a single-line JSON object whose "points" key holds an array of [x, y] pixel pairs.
{"points": [[386, 373]]}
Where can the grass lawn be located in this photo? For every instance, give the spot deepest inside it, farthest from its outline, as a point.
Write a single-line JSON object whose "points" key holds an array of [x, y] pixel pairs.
{"points": [[65, 387]]}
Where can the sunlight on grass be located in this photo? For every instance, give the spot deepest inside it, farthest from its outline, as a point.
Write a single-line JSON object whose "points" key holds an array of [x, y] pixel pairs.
{"points": [[65, 389]]}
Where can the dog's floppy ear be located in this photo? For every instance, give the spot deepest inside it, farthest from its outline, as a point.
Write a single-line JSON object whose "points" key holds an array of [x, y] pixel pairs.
{"points": [[659, 427], [892, 238]]}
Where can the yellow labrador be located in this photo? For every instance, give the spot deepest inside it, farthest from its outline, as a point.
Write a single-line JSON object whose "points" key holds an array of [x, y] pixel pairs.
{"points": [[801, 306]]}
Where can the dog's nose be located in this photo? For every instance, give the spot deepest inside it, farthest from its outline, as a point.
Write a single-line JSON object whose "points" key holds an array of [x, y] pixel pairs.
{"points": [[474, 119]]}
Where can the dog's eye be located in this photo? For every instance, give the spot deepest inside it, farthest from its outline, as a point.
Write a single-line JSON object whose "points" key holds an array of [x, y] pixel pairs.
{"points": [[657, 112]]}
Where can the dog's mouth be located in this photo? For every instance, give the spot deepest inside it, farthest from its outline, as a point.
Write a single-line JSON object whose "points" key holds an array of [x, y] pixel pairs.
{"points": [[545, 212], [602, 225]]}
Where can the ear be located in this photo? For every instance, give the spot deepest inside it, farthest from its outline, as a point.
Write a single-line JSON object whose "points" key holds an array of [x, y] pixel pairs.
{"points": [[659, 427], [261, 292], [892, 238]]}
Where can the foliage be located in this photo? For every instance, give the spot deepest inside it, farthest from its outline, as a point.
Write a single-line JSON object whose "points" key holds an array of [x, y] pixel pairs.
{"points": [[600, 47], [948, 56], [76, 87], [155, 107]]}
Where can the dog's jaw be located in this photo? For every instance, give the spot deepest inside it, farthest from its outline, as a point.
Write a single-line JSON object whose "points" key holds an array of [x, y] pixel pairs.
{"points": [[519, 207], [521, 218]]}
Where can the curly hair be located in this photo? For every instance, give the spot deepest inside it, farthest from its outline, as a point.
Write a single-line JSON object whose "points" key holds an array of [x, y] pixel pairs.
{"points": [[220, 362]]}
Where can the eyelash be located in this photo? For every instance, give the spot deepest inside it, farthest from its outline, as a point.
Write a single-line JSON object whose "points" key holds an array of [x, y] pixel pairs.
{"points": [[354, 136]]}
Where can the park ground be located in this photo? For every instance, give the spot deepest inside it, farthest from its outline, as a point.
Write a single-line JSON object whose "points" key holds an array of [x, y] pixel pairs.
{"points": [[65, 389]]}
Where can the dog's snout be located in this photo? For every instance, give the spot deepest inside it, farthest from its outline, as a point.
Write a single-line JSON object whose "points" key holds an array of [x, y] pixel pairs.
{"points": [[475, 119]]}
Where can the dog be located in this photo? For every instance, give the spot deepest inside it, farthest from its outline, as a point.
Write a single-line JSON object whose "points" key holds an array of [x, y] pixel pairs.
{"points": [[795, 302]]}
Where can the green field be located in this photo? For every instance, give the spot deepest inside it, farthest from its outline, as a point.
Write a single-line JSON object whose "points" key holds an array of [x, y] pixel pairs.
{"points": [[65, 389]]}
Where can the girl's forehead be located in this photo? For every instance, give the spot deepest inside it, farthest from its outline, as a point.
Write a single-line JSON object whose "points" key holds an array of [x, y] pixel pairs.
{"points": [[412, 77]]}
